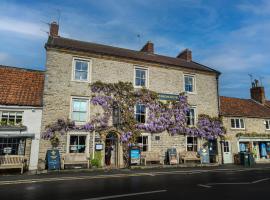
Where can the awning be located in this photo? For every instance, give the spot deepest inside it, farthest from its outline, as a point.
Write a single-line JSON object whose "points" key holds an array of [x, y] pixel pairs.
{"points": [[17, 135]]}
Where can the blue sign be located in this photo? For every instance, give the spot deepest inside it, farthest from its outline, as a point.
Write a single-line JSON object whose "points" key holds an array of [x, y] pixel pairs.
{"points": [[204, 154], [171, 97], [53, 160], [135, 156]]}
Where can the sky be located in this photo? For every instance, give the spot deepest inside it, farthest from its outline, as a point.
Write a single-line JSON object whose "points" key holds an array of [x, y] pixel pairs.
{"points": [[231, 36]]}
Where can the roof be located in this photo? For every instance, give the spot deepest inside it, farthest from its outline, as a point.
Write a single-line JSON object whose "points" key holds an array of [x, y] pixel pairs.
{"points": [[76, 45], [235, 107], [21, 87]]}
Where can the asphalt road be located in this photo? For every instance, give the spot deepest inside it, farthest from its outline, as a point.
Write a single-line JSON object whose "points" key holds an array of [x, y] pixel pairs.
{"points": [[196, 184]]}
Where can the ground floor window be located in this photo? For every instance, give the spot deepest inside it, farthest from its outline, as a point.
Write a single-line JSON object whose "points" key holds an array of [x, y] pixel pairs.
{"points": [[77, 144], [143, 141], [12, 146], [264, 148], [192, 144], [244, 146], [226, 147]]}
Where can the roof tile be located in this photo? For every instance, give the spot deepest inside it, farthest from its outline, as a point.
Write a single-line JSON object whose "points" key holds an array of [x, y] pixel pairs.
{"points": [[21, 87]]}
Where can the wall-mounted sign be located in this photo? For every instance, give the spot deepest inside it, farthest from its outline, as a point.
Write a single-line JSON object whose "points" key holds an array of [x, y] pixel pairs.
{"points": [[99, 147], [7, 150], [171, 97], [53, 159]]}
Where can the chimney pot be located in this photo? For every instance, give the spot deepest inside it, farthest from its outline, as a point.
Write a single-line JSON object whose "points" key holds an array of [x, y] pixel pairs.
{"points": [[148, 47], [54, 28], [257, 92], [186, 55]]}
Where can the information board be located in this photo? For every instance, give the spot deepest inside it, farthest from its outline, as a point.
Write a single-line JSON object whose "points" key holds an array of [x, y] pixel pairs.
{"points": [[53, 160], [135, 156]]}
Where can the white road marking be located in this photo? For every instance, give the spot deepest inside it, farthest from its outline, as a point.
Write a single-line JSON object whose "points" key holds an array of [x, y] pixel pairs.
{"points": [[206, 186], [209, 185], [126, 195], [261, 180]]}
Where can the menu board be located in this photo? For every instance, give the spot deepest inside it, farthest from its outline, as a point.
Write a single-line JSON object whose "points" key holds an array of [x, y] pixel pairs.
{"points": [[53, 160]]}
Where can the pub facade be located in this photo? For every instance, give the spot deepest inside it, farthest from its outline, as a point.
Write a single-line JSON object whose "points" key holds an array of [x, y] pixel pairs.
{"points": [[72, 65]]}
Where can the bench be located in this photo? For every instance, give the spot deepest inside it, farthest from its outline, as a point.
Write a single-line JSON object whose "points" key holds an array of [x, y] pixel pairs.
{"points": [[12, 162], [75, 159], [189, 156], [151, 157]]}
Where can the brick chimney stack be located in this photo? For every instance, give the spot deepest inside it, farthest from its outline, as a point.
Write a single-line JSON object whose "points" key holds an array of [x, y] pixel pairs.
{"points": [[257, 92], [186, 55], [148, 47], [54, 28]]}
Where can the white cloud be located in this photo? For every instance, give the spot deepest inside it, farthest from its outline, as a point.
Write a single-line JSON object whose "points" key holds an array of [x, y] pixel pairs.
{"points": [[258, 8], [21, 27]]}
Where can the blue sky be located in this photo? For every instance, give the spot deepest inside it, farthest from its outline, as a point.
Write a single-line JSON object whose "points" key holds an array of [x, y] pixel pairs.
{"points": [[230, 36]]}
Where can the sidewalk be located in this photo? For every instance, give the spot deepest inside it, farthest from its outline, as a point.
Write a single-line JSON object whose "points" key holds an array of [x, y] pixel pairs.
{"points": [[112, 172]]}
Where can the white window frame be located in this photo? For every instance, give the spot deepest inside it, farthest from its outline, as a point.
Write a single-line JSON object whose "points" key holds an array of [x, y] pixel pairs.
{"points": [[146, 112], [195, 116], [146, 77], [89, 72], [87, 142], [192, 143], [193, 82], [267, 121], [148, 135], [88, 109], [9, 111], [242, 128]]}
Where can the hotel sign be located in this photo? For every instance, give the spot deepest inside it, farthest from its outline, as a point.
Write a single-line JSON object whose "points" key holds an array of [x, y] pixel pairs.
{"points": [[168, 97]]}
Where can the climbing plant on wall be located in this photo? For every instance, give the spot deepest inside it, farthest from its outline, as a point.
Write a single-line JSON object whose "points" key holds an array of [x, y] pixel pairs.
{"points": [[169, 116]]}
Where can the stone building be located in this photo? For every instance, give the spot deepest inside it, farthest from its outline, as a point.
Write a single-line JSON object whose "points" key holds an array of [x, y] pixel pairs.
{"points": [[72, 65], [248, 125], [21, 93]]}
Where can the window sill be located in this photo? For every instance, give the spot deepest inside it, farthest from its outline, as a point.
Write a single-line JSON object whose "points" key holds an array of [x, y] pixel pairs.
{"points": [[13, 128], [243, 129], [190, 92], [140, 87], [78, 81]]}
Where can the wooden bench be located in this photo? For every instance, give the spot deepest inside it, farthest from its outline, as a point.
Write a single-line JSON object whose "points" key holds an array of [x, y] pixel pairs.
{"points": [[189, 156], [151, 157], [12, 162], [75, 159]]}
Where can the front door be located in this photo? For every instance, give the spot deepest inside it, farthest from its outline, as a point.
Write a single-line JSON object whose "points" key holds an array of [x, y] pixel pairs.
{"points": [[227, 154], [111, 150]]}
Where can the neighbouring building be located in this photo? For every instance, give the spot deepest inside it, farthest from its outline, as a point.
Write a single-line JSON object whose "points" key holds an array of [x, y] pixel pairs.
{"points": [[21, 93], [248, 125], [72, 65]]}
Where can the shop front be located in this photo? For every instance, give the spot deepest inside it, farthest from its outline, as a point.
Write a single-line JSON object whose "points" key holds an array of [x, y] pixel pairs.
{"points": [[258, 147]]}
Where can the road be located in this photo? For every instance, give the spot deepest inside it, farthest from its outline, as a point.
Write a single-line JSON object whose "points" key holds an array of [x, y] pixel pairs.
{"points": [[156, 184]]}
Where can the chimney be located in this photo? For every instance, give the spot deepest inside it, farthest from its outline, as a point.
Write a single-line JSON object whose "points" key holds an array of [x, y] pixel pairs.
{"points": [[148, 47], [186, 55], [257, 92], [54, 28]]}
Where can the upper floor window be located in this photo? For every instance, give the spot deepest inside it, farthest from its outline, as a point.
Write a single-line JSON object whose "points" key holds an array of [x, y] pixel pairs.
{"points": [[237, 123], [11, 117], [141, 75], [191, 117], [79, 109], [81, 70], [189, 83], [267, 124], [140, 113]]}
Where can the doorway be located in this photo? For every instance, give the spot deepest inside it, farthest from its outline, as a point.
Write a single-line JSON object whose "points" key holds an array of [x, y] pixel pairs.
{"points": [[111, 150], [227, 155]]}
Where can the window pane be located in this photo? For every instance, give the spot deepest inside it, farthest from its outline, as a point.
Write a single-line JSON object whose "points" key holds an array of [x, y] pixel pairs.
{"points": [[242, 123], [76, 105], [267, 124], [237, 124], [82, 117], [232, 123], [83, 106], [142, 82], [76, 116]]}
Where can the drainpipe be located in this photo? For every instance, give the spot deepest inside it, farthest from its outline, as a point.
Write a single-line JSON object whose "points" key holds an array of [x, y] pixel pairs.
{"points": [[94, 136]]}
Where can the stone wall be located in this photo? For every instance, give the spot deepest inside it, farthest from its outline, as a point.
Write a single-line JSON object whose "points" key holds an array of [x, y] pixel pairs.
{"points": [[59, 88]]}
